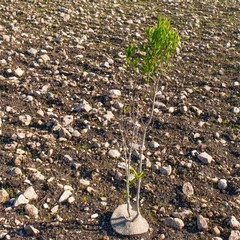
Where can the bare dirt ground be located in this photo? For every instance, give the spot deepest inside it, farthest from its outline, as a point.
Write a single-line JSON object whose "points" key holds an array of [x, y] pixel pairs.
{"points": [[59, 60]]}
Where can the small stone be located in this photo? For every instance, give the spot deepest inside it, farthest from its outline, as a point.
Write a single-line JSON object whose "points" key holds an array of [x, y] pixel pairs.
{"points": [[148, 163], [207, 88], [183, 109], [32, 51], [182, 215], [3, 62], [153, 144], [205, 158], [196, 135], [38, 176], [45, 58], [76, 165], [54, 209], [234, 223], [65, 195], [30, 230], [68, 187], [40, 112], [160, 105], [216, 231], [108, 116], [67, 120], [45, 205], [84, 182], [64, 133], [3, 234], [4, 196], [236, 110], [31, 210], [83, 106], [166, 170], [104, 64], [118, 105], [114, 93], [20, 200], [114, 153], [171, 110], [202, 223], [76, 134], [235, 235], [15, 171], [162, 237], [30, 193], [71, 200], [188, 189], [110, 60], [19, 72], [94, 216], [175, 223], [222, 184], [25, 119], [67, 158]]}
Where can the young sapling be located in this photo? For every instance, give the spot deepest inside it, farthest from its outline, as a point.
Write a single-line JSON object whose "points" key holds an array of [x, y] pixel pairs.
{"points": [[149, 60]]}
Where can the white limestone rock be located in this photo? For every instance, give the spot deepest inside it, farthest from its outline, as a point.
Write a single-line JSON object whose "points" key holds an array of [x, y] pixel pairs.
{"points": [[71, 200], [234, 223], [166, 170], [3, 234], [83, 106], [113, 153], [205, 158], [109, 115], [236, 110], [188, 189], [4, 196], [30, 193], [84, 182], [64, 133], [25, 119], [38, 176], [65, 195], [154, 144], [32, 51], [175, 223], [20, 200], [202, 223], [114, 93], [31, 210], [45, 58], [30, 230], [67, 120], [54, 209], [15, 171], [19, 72], [235, 235], [222, 184]]}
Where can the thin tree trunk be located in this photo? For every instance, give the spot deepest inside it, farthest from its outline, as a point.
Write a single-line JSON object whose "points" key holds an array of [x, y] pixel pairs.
{"points": [[155, 88], [128, 153]]}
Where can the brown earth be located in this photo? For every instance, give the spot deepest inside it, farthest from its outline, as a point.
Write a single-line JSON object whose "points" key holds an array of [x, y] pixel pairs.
{"points": [[202, 86]]}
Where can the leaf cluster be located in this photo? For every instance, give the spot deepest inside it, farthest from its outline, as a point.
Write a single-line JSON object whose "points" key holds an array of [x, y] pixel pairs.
{"points": [[136, 176], [149, 57]]}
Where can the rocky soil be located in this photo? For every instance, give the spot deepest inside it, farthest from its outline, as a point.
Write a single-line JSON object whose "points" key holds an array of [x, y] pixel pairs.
{"points": [[63, 85]]}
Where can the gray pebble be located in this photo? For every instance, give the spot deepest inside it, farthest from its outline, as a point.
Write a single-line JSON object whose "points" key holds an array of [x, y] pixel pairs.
{"points": [[166, 170], [175, 223], [205, 158], [222, 184]]}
